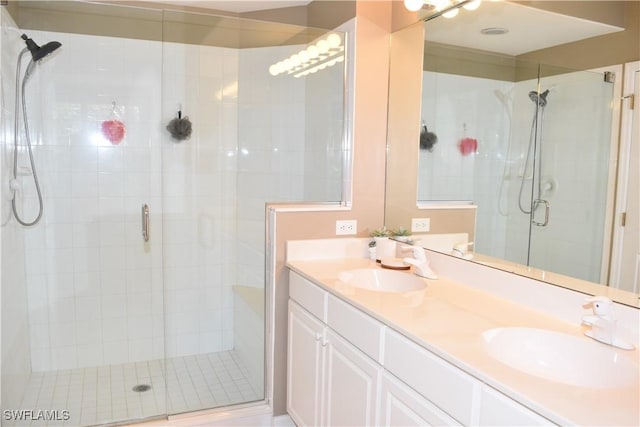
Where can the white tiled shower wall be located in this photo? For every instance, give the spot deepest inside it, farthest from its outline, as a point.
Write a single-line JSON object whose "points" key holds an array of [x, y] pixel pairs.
{"points": [[16, 360], [290, 146], [576, 141], [466, 107], [95, 289], [200, 198]]}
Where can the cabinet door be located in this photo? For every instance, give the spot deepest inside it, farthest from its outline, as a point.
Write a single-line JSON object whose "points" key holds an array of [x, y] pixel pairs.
{"points": [[496, 409], [304, 350], [400, 405], [351, 384]]}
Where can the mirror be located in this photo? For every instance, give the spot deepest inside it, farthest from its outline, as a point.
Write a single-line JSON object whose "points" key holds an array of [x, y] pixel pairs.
{"points": [[541, 175]]}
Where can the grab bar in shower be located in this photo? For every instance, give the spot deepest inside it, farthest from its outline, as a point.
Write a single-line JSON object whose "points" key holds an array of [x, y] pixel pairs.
{"points": [[145, 222], [547, 206]]}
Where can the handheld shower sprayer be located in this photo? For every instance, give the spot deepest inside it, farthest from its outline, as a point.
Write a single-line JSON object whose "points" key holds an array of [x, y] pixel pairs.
{"points": [[37, 54], [539, 98]]}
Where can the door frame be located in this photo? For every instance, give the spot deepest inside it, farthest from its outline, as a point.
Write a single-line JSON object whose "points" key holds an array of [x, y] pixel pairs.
{"points": [[631, 71]]}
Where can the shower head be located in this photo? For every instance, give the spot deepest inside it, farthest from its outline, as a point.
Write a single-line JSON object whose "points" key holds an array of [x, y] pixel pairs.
{"points": [[39, 52], [539, 99]]}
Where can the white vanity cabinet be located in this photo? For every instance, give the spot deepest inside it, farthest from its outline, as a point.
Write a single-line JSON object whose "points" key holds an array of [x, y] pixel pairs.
{"points": [[400, 405], [330, 382], [304, 366], [496, 409], [350, 385], [346, 368]]}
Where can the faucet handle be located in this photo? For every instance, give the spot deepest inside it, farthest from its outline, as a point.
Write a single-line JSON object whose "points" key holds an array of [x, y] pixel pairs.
{"points": [[416, 251], [460, 250], [603, 327], [600, 305]]}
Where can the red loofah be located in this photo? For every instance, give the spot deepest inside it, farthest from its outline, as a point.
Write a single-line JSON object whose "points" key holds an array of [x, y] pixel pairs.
{"points": [[113, 130], [468, 146]]}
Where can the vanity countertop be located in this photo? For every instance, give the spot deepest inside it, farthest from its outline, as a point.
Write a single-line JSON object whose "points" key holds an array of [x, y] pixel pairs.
{"points": [[449, 321]]}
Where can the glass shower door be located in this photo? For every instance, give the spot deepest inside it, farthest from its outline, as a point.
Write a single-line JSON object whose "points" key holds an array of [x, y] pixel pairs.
{"points": [[575, 146], [256, 136], [199, 149], [93, 347]]}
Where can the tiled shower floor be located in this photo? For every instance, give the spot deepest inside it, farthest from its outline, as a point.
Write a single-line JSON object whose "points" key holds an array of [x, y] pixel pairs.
{"points": [[104, 394]]}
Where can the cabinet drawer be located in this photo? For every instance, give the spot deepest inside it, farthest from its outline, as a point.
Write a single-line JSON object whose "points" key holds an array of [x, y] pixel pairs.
{"points": [[359, 328], [400, 405], [496, 409], [308, 295], [442, 383]]}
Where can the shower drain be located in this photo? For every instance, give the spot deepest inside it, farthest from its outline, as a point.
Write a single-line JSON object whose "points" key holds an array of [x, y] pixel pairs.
{"points": [[141, 388]]}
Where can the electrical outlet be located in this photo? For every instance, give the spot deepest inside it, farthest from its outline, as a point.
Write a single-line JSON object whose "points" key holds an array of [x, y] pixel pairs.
{"points": [[346, 227], [420, 225]]}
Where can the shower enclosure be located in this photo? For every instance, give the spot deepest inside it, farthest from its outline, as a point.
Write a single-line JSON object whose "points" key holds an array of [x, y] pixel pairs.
{"points": [[540, 176], [140, 292]]}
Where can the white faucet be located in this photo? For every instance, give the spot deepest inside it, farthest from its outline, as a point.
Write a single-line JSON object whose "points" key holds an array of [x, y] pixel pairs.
{"points": [[603, 326], [420, 262], [461, 250]]}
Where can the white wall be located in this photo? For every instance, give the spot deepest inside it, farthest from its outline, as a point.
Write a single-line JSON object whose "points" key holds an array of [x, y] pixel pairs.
{"points": [[95, 289], [455, 107], [271, 124], [15, 354], [576, 147], [200, 196], [290, 136]]}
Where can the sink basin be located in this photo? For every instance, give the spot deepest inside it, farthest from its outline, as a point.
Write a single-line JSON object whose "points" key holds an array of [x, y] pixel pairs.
{"points": [[561, 357], [376, 279]]}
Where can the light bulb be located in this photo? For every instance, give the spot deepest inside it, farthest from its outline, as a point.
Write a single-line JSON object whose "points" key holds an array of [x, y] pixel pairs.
{"points": [[334, 40], [451, 13], [295, 60], [323, 46], [287, 65], [273, 70], [413, 5], [473, 5], [303, 55], [313, 52]]}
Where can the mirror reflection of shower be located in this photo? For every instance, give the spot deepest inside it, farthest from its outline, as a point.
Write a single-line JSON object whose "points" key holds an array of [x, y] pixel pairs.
{"points": [[37, 54], [533, 163]]}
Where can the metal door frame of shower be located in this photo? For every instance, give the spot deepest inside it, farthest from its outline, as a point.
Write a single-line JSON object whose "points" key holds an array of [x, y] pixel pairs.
{"points": [[629, 100], [607, 239], [612, 170]]}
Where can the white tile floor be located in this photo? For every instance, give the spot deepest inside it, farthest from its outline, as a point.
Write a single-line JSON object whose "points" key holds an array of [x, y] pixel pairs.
{"points": [[104, 394]]}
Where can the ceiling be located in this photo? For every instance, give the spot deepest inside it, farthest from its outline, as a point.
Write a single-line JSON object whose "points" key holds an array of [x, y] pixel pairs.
{"points": [[238, 6], [528, 28]]}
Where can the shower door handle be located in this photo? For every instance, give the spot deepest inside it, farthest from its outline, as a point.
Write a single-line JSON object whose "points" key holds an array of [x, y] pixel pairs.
{"points": [[546, 212], [145, 222]]}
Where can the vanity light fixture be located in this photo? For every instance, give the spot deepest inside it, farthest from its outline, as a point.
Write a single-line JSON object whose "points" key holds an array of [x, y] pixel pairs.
{"points": [[324, 53], [446, 8]]}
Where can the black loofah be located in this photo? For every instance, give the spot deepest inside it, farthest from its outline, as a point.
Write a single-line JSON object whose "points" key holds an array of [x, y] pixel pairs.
{"points": [[180, 127], [427, 139]]}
